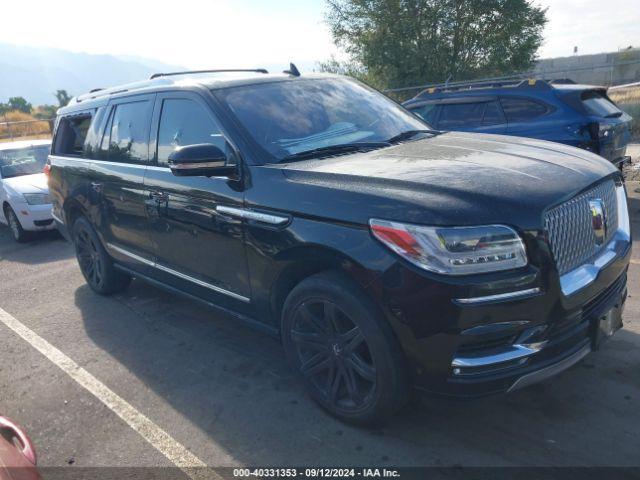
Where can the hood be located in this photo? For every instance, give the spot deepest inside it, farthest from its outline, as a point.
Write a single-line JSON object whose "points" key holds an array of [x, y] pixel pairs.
{"points": [[36, 183], [453, 179]]}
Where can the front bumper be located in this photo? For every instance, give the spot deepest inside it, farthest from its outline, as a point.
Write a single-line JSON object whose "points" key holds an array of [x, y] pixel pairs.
{"points": [[35, 217], [465, 348], [557, 345]]}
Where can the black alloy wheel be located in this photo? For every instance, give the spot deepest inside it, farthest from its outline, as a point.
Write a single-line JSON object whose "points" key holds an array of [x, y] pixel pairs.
{"points": [[344, 349], [89, 258], [95, 263], [333, 355]]}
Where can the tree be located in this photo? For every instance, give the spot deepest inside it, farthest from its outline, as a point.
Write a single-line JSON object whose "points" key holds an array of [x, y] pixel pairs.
{"points": [[45, 112], [19, 103], [63, 97], [411, 42]]}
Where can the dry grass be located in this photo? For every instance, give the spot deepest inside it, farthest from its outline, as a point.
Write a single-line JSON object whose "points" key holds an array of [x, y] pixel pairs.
{"points": [[628, 99], [32, 129]]}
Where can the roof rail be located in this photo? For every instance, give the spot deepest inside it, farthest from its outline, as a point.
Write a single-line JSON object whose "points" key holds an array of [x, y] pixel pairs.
{"points": [[192, 72], [562, 81], [473, 85]]}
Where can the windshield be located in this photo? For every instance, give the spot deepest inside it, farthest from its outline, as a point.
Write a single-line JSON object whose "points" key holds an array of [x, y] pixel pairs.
{"points": [[23, 161], [290, 117], [598, 104]]}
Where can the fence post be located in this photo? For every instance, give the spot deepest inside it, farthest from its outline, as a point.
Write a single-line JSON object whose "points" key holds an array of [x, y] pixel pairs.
{"points": [[6, 122]]}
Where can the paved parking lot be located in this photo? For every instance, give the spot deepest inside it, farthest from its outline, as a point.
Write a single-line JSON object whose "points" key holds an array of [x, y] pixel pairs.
{"points": [[224, 392]]}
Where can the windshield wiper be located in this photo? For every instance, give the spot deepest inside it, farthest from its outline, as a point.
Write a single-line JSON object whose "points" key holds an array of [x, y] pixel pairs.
{"points": [[613, 115], [341, 148], [410, 134]]}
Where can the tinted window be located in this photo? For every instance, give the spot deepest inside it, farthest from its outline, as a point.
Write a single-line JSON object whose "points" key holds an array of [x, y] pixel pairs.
{"points": [[521, 109], [71, 135], [460, 115], [598, 104], [492, 114], [23, 161], [93, 134], [428, 112], [295, 116], [129, 132], [185, 122]]}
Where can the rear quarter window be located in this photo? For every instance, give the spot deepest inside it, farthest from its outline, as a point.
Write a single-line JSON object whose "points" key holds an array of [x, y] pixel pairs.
{"points": [[522, 109], [71, 134]]}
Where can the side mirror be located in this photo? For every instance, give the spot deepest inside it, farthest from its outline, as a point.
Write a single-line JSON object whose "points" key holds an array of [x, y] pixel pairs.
{"points": [[201, 160]]}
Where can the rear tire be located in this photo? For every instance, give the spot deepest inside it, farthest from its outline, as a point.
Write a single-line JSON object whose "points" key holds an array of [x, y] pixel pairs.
{"points": [[344, 350], [17, 232], [95, 263]]}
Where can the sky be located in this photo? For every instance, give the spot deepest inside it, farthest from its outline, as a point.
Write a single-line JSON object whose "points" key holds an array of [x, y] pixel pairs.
{"points": [[255, 33]]}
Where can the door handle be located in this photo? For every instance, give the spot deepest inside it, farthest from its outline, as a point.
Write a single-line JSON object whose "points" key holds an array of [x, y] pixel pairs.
{"points": [[159, 196]]}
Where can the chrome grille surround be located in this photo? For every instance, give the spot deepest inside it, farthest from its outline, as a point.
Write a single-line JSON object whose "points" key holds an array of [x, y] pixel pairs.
{"points": [[570, 230]]}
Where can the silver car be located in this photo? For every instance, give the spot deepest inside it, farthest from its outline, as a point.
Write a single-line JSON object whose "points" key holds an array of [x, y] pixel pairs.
{"points": [[24, 194]]}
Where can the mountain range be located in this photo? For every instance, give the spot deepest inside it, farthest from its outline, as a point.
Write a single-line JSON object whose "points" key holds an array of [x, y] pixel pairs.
{"points": [[35, 73]]}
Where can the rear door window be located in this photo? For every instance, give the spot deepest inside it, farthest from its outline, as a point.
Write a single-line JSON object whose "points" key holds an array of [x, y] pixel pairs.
{"points": [[128, 132], [599, 105], [492, 114], [185, 122], [461, 115], [522, 109]]}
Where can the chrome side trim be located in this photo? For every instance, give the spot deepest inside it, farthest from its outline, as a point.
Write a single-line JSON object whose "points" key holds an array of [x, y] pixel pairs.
{"points": [[201, 283], [578, 278], [251, 215], [99, 162], [500, 297], [129, 254], [510, 353], [194, 166], [551, 370], [189, 278]]}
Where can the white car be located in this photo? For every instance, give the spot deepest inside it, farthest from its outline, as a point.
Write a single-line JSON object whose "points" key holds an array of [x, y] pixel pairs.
{"points": [[24, 194]]}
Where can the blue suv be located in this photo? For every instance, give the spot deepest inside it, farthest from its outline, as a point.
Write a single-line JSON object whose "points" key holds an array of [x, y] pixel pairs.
{"points": [[560, 111]]}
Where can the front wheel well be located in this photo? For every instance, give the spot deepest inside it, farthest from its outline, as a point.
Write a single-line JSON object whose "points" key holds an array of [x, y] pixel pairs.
{"points": [[304, 263]]}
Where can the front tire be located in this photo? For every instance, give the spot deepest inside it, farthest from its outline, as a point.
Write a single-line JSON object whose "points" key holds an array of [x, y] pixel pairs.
{"points": [[95, 263], [344, 350], [18, 233]]}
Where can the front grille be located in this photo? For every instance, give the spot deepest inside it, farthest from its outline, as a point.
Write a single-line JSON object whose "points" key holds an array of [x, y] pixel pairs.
{"points": [[569, 226]]}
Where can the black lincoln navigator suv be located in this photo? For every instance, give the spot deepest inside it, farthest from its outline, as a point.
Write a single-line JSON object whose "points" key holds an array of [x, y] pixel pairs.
{"points": [[384, 254]]}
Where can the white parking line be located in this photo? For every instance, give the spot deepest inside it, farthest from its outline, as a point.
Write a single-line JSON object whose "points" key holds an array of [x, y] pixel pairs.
{"points": [[152, 433]]}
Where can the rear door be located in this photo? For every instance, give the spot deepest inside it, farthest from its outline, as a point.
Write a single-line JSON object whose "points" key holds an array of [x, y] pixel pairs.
{"points": [[197, 249], [467, 115], [117, 180]]}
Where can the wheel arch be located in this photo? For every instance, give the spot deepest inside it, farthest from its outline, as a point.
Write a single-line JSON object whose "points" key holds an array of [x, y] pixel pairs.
{"points": [[304, 261]]}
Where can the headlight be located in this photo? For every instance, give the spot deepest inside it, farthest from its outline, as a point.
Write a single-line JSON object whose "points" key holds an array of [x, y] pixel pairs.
{"points": [[37, 198], [453, 250]]}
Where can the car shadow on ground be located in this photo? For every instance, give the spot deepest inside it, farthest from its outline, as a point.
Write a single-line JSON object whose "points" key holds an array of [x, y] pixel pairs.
{"points": [[234, 385], [31, 251]]}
